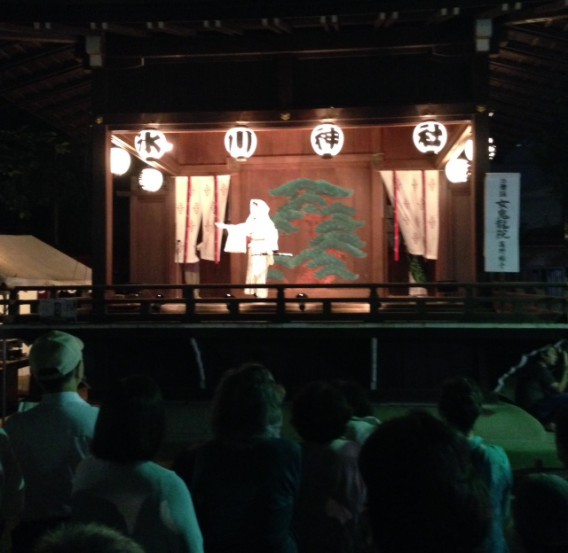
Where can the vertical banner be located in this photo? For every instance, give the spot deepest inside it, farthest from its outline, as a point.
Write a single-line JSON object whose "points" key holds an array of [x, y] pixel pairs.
{"points": [[181, 217], [205, 206], [222, 183], [431, 213], [502, 216]]}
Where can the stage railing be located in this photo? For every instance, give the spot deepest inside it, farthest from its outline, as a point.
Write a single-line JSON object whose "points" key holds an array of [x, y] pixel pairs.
{"points": [[447, 301]]}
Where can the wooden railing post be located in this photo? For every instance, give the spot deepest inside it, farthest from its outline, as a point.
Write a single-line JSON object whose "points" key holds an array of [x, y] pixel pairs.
{"points": [[189, 301], [374, 301], [99, 301], [280, 302]]}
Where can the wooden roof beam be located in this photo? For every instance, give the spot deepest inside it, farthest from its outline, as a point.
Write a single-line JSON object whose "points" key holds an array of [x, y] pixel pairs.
{"points": [[115, 28], [444, 14], [170, 28], [42, 77], [35, 55], [385, 20], [27, 33], [276, 25], [220, 27]]}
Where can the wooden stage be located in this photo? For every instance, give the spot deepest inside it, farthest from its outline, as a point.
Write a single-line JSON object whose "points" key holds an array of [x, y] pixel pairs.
{"points": [[400, 346]]}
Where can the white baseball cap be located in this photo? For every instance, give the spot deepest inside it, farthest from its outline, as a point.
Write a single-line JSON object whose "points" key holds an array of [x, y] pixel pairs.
{"points": [[55, 354]]}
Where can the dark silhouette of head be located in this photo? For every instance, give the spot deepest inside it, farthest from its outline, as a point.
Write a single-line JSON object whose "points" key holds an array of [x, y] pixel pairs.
{"points": [[247, 404], [357, 397], [561, 434], [460, 403], [540, 513], [423, 492], [131, 422], [86, 538], [320, 412]]}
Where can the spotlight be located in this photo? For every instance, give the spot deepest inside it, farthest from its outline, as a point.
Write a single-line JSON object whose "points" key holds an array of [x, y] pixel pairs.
{"points": [[232, 304], [302, 297]]}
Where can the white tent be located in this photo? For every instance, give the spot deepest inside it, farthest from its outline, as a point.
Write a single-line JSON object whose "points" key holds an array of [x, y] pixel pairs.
{"points": [[27, 261]]}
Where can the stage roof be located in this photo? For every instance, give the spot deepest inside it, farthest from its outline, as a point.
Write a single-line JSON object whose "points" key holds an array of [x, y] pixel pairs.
{"points": [[44, 68]]}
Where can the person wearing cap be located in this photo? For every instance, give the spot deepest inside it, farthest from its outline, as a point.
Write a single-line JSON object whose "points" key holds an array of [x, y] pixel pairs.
{"points": [[51, 438]]}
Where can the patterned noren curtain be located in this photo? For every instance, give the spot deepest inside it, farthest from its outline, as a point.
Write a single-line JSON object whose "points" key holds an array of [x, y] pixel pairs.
{"points": [[200, 203], [415, 197]]}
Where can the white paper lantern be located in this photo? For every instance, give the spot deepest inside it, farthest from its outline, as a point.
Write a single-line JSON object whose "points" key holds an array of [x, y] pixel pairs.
{"points": [[457, 170], [119, 161], [430, 137], [327, 140], [240, 143], [468, 149], [151, 180], [151, 144]]}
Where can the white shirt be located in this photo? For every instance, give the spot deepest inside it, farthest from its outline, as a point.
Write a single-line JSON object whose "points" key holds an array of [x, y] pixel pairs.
{"points": [[149, 503], [49, 440], [11, 481]]}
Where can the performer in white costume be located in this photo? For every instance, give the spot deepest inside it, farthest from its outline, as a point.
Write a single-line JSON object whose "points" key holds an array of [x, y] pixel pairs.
{"points": [[258, 237]]}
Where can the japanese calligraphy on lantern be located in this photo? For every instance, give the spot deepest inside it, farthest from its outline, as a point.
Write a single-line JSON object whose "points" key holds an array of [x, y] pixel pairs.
{"points": [[430, 137], [502, 213], [327, 140], [151, 144]]}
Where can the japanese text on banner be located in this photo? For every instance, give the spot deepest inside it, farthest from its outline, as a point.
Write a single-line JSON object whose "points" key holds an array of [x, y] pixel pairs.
{"points": [[502, 215]]}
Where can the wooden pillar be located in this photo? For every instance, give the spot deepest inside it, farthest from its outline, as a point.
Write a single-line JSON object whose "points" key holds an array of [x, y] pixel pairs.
{"points": [[102, 187], [480, 164]]}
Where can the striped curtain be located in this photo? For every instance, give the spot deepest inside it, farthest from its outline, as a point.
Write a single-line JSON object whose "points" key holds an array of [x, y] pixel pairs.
{"points": [[415, 198], [200, 203]]}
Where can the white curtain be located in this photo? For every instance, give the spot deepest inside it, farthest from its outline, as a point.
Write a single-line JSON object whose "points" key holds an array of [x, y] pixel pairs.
{"points": [[415, 198], [200, 203]]}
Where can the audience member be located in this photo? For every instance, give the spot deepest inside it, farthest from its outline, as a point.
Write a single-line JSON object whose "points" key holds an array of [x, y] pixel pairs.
{"points": [[11, 491], [86, 538], [561, 435], [424, 494], [332, 494], [246, 478], [51, 438], [363, 420], [540, 515], [460, 404], [542, 383], [120, 485]]}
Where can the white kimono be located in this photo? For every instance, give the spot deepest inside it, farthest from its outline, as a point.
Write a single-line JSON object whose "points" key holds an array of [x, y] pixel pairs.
{"points": [[262, 237]]}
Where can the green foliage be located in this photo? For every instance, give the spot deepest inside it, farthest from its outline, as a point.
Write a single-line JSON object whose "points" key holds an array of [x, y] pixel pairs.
{"points": [[306, 197], [335, 228], [313, 189], [416, 268]]}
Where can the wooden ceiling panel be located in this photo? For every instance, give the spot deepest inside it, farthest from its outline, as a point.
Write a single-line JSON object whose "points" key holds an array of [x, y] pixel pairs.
{"points": [[46, 47]]}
